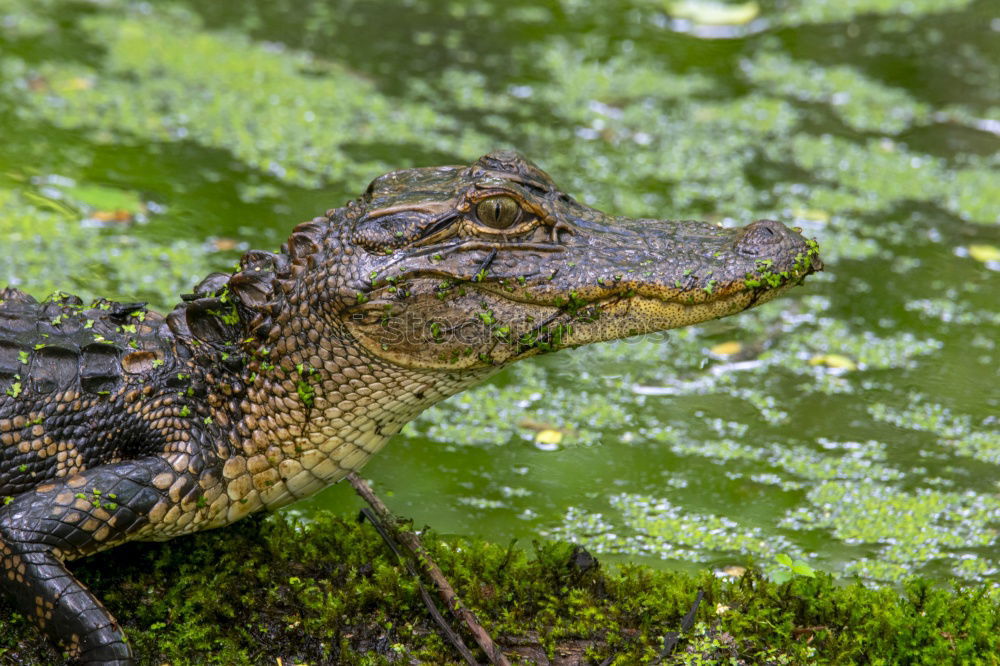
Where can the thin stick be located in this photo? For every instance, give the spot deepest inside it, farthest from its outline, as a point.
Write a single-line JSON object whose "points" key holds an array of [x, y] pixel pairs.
{"points": [[390, 541], [447, 593]]}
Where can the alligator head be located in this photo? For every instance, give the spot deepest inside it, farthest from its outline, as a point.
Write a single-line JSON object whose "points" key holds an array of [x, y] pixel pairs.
{"points": [[463, 267]]}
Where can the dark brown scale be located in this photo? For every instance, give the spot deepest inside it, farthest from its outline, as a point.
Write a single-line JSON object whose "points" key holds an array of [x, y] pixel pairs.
{"points": [[63, 345], [63, 348]]}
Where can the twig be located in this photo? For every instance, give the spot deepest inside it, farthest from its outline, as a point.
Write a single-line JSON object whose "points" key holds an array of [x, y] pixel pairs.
{"points": [[455, 639], [388, 522], [798, 631], [671, 638]]}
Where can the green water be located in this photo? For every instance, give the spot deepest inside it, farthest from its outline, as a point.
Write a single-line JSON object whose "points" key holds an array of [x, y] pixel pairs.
{"points": [[857, 426]]}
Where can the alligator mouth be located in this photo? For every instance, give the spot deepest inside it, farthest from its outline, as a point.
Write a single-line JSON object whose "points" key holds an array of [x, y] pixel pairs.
{"points": [[646, 308], [761, 286], [624, 316]]}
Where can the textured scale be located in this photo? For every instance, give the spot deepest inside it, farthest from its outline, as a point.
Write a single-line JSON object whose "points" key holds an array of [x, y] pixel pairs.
{"points": [[66, 366], [266, 385]]}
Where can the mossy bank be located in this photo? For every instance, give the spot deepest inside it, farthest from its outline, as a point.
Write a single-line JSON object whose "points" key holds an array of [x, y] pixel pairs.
{"points": [[328, 591]]}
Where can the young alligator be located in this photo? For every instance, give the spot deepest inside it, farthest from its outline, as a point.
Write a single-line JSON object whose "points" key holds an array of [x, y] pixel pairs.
{"points": [[264, 386]]}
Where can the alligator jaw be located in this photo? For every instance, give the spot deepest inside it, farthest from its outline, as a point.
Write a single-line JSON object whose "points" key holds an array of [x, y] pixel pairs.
{"points": [[479, 303]]}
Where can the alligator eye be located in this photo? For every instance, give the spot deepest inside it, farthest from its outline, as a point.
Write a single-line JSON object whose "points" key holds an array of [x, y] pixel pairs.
{"points": [[498, 212]]}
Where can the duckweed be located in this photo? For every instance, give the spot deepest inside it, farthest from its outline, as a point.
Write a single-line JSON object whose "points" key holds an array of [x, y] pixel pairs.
{"points": [[829, 11], [103, 263], [863, 104], [807, 117]]}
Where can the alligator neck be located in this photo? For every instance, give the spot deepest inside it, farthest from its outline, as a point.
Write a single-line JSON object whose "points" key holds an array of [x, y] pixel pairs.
{"points": [[305, 402]]}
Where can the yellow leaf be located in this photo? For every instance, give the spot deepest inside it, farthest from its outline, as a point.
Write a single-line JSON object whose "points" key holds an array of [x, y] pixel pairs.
{"points": [[551, 437], [223, 244], [984, 253], [727, 348], [79, 83], [834, 361]]}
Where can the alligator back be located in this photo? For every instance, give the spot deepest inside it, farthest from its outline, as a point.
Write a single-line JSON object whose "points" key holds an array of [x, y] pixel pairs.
{"points": [[72, 379]]}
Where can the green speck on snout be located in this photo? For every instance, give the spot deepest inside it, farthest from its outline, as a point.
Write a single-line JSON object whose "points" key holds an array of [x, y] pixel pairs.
{"points": [[307, 393]]}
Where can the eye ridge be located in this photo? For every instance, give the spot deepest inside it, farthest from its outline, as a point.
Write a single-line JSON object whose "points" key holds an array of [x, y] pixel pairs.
{"points": [[498, 212]]}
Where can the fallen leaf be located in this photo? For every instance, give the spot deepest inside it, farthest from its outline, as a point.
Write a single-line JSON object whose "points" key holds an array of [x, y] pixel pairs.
{"points": [[727, 348], [119, 216], [549, 437], [834, 361], [79, 83], [532, 424], [38, 84], [223, 244], [984, 253]]}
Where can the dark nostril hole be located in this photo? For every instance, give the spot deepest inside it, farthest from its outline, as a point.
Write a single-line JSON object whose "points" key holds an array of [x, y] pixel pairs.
{"points": [[766, 230], [758, 236]]}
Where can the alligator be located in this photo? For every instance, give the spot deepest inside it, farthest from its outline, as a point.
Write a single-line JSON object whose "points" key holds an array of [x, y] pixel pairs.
{"points": [[268, 384]]}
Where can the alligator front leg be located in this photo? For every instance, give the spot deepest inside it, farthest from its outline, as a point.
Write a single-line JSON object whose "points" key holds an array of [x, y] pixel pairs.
{"points": [[69, 518]]}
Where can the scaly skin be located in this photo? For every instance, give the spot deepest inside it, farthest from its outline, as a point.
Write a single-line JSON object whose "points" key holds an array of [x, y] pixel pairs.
{"points": [[267, 385]]}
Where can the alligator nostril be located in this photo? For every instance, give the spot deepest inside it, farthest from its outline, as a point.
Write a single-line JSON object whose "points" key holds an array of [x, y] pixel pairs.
{"points": [[761, 235]]}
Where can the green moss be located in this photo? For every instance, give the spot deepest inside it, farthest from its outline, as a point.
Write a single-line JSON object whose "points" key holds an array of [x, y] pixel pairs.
{"points": [[329, 592], [306, 392]]}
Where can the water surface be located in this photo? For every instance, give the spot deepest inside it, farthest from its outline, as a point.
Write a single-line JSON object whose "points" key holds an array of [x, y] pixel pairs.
{"points": [[853, 424]]}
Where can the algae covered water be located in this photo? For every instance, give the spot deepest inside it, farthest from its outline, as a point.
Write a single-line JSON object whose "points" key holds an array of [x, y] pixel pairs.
{"points": [[853, 424]]}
